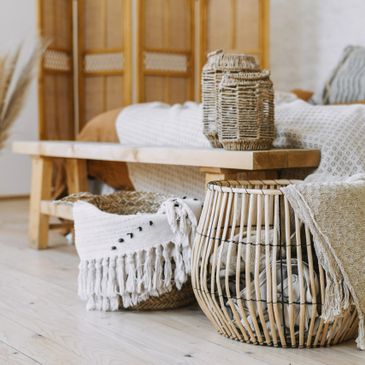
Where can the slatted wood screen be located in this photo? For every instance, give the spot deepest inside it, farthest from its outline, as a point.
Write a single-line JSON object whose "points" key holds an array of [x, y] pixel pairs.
{"points": [[235, 26], [88, 66], [165, 50], [55, 92], [104, 56]]}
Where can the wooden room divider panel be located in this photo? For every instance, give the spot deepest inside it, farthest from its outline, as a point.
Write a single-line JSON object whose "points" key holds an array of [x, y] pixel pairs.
{"points": [[165, 50], [88, 67], [235, 26], [55, 91], [104, 75]]}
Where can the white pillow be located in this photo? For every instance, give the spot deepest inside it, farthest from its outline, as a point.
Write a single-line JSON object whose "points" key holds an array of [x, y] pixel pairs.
{"points": [[346, 83]]}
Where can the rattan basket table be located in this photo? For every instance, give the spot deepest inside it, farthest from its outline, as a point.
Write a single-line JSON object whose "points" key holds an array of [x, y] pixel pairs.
{"points": [[255, 272]]}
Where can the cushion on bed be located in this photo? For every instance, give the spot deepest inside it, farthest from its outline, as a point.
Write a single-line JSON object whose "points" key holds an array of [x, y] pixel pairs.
{"points": [[346, 83], [102, 129]]}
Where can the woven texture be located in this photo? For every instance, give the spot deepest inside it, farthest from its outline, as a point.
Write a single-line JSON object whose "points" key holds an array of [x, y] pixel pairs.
{"points": [[104, 62], [57, 60], [246, 111], [165, 62], [124, 203], [212, 74], [171, 300], [255, 272], [338, 131]]}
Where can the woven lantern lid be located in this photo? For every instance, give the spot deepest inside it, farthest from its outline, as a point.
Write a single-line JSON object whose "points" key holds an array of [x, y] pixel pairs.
{"points": [[230, 61], [247, 75]]}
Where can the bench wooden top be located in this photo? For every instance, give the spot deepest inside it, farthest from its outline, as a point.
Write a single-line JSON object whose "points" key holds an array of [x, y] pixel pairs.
{"points": [[184, 156]]}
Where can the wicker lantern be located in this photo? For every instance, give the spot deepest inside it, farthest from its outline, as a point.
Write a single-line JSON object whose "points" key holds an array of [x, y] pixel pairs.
{"points": [[255, 273], [246, 111], [217, 64]]}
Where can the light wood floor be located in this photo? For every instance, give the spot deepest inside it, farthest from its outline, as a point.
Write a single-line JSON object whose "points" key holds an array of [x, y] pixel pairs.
{"points": [[42, 321]]}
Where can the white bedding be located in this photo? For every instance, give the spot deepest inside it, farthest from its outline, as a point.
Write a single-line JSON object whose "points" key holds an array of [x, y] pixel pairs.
{"points": [[160, 124], [339, 131]]}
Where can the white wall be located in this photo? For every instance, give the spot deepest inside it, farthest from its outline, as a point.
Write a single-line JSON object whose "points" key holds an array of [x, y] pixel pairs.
{"points": [[307, 37], [17, 24]]}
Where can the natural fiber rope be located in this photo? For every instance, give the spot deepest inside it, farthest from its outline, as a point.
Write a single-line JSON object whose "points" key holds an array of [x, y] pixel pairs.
{"points": [[246, 111], [212, 74]]}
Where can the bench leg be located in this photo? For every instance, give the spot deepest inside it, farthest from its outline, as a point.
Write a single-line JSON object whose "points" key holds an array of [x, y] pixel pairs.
{"points": [[40, 190], [76, 175], [217, 174]]}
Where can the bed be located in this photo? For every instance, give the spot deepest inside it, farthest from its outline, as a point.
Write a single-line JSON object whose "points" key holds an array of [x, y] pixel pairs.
{"points": [[102, 129], [114, 174]]}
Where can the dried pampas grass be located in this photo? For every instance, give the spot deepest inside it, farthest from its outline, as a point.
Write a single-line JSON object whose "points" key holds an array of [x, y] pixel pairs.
{"points": [[14, 85]]}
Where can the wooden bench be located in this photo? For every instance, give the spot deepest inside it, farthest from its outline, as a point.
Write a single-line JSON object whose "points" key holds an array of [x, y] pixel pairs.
{"points": [[216, 164]]}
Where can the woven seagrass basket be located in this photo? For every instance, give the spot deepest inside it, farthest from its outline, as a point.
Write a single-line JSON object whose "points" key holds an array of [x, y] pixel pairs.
{"points": [[246, 111], [218, 63], [171, 300], [255, 272], [128, 203]]}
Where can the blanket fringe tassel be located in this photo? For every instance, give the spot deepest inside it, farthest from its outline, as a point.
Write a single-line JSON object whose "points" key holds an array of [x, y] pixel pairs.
{"points": [[127, 280]]}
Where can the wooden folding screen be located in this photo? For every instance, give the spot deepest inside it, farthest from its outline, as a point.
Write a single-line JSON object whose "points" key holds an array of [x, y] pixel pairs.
{"points": [[235, 26], [165, 50], [55, 92], [88, 67], [104, 36]]}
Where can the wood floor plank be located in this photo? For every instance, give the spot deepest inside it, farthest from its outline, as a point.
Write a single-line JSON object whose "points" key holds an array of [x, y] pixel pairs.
{"points": [[11, 356], [43, 320], [53, 317], [33, 343]]}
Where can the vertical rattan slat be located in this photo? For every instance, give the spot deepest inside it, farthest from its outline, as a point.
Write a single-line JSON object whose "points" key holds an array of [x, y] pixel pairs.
{"points": [[308, 243], [165, 50]]}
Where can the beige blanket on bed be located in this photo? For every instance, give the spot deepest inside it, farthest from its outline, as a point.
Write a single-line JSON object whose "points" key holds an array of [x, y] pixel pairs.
{"points": [[335, 214]]}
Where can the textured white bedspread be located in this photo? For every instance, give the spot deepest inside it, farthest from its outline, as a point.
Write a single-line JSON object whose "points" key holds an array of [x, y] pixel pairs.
{"points": [[338, 131], [160, 124]]}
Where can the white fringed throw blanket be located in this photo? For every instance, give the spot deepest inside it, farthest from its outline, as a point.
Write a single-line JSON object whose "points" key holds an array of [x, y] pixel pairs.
{"points": [[125, 259]]}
